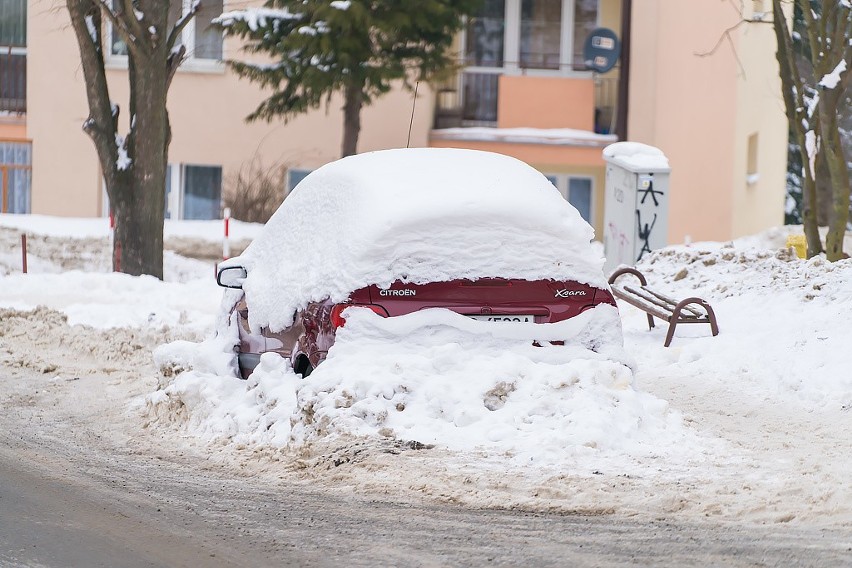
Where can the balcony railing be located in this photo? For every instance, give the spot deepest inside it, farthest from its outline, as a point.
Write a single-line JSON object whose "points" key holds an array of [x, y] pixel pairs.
{"points": [[470, 99], [13, 80]]}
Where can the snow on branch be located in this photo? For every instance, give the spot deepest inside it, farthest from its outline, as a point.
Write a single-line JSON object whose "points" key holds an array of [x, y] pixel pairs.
{"points": [[123, 161], [93, 31], [181, 23], [254, 18], [830, 80]]}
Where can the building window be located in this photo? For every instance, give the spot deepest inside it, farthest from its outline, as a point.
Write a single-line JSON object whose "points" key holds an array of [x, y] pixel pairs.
{"points": [[485, 38], [202, 40], [13, 56], [15, 177], [294, 176], [578, 190], [580, 196], [530, 34], [13, 23], [585, 22], [202, 192], [208, 39], [541, 22], [544, 37], [752, 175]]}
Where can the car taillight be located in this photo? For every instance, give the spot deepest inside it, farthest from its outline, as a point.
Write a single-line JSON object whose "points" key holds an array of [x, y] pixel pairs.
{"points": [[337, 319]]}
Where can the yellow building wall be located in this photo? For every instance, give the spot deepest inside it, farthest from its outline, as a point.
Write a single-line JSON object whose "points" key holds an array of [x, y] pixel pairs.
{"points": [[207, 111]]}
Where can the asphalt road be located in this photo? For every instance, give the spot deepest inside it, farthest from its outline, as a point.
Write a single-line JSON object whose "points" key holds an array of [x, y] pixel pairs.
{"points": [[79, 491], [136, 511]]}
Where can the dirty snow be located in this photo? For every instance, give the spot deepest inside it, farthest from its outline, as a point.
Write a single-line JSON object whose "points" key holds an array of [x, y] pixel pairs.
{"points": [[750, 425]]}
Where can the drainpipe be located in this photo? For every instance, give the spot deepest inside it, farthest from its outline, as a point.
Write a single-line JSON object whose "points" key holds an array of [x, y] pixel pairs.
{"points": [[624, 72]]}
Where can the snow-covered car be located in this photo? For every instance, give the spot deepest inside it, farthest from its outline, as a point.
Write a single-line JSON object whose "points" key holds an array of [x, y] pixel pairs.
{"points": [[399, 231]]}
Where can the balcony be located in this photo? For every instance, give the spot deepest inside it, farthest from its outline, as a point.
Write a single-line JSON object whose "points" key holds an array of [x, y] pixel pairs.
{"points": [[13, 80], [472, 99]]}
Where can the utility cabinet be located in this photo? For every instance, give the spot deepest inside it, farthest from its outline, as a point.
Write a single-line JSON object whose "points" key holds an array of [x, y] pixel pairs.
{"points": [[636, 202]]}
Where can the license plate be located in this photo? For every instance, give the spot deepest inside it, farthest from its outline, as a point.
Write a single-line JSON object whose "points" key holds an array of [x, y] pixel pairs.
{"points": [[517, 318]]}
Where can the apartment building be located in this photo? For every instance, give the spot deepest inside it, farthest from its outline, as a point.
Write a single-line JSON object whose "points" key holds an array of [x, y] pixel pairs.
{"points": [[523, 89], [42, 116]]}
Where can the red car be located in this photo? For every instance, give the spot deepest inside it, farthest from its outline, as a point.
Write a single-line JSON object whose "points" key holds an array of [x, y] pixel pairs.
{"points": [[307, 341], [397, 231]]}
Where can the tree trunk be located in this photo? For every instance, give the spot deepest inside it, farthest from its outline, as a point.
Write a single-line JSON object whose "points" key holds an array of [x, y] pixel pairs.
{"points": [[353, 102], [134, 168], [791, 90], [139, 226], [836, 162], [823, 191]]}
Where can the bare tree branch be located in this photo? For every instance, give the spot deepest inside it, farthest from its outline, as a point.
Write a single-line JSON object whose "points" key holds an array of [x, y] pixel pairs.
{"points": [[726, 35], [118, 24], [181, 23], [134, 25]]}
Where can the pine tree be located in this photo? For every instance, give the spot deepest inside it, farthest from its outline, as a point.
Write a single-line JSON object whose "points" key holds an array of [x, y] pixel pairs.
{"points": [[355, 47]]}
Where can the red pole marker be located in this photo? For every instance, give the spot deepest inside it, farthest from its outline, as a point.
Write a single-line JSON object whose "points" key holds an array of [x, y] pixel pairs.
{"points": [[24, 252], [226, 245], [112, 238]]}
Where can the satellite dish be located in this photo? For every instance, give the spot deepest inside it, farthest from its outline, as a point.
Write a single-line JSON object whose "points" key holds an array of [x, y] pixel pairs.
{"points": [[601, 50]]}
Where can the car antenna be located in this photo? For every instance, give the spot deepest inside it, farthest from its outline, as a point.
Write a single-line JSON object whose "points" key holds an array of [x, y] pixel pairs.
{"points": [[411, 122]]}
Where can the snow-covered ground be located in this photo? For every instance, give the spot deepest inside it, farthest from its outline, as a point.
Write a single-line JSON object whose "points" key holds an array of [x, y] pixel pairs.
{"points": [[751, 425]]}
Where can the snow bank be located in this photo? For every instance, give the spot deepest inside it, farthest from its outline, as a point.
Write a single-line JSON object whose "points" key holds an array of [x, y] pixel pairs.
{"points": [[435, 378], [112, 300], [416, 215], [784, 322], [89, 227]]}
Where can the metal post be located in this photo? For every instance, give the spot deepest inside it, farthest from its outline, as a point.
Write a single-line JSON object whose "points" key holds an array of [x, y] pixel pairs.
{"points": [[24, 252], [4, 194], [624, 70]]}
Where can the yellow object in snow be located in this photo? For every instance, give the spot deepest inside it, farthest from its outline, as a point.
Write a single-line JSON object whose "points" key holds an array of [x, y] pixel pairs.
{"points": [[798, 243]]}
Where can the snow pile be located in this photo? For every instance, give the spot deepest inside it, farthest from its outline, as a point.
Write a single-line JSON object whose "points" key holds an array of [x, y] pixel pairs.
{"points": [[636, 156], [69, 269], [723, 270], [784, 321], [87, 227], [112, 300], [416, 215], [435, 378]]}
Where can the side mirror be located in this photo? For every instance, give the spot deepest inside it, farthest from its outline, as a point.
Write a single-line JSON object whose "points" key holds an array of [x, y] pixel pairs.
{"points": [[231, 277]]}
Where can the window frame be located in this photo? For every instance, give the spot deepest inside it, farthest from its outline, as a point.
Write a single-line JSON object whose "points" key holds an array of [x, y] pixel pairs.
{"points": [[187, 38]]}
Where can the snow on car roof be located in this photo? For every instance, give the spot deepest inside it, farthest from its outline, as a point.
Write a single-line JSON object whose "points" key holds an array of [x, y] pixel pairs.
{"points": [[417, 215]]}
